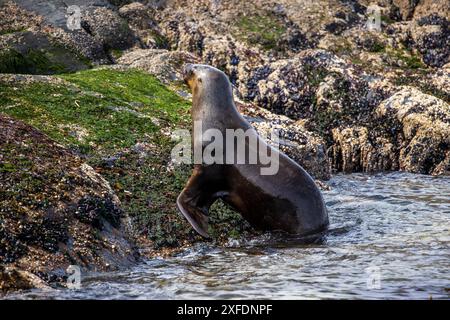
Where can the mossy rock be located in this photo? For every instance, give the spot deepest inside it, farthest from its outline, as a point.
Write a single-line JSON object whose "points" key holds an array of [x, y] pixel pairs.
{"points": [[35, 53], [408, 60], [264, 29]]}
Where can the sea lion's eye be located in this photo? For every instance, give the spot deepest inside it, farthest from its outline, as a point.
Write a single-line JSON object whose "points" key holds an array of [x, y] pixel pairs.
{"points": [[200, 80]]}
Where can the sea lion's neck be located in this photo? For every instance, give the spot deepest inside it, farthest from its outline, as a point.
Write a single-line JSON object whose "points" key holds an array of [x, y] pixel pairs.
{"points": [[210, 105]]}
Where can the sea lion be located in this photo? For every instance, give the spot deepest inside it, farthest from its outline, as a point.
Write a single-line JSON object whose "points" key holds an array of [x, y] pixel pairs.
{"points": [[287, 200]]}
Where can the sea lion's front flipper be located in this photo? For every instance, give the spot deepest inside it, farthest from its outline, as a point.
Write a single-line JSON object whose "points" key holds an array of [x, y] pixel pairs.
{"points": [[196, 199]]}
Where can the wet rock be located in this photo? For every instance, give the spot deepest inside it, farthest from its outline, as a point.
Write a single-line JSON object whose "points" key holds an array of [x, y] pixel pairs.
{"points": [[421, 125], [356, 150], [13, 18], [12, 279], [101, 29], [51, 19], [55, 210], [397, 135], [54, 12]]}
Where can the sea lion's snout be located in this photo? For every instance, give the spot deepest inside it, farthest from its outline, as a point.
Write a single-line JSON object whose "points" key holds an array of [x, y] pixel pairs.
{"points": [[188, 71]]}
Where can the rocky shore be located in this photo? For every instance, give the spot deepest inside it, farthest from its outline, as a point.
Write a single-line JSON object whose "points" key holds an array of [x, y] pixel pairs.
{"points": [[87, 112]]}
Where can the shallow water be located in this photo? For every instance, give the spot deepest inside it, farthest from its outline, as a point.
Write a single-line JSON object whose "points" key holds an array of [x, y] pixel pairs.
{"points": [[389, 239]]}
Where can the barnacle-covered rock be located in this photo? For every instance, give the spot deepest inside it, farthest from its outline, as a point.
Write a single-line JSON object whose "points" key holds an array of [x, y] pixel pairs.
{"points": [[108, 28], [141, 20], [167, 66], [296, 87], [356, 150], [421, 125], [431, 36]]}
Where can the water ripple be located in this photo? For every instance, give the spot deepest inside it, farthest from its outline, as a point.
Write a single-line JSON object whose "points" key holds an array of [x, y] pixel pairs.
{"points": [[393, 228]]}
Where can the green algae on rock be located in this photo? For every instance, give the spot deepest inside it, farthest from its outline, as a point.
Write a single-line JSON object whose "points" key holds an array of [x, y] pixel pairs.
{"points": [[35, 53], [260, 29], [98, 110]]}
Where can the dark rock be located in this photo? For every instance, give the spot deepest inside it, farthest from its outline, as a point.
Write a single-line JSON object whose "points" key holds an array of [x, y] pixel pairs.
{"points": [[12, 279], [431, 36], [337, 26], [406, 7], [37, 53], [142, 22], [358, 149], [108, 28]]}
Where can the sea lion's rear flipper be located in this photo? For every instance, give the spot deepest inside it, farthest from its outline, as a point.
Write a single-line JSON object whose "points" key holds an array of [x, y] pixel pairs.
{"points": [[195, 200]]}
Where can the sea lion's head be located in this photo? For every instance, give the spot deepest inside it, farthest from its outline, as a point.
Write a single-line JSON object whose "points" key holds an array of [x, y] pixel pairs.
{"points": [[207, 84]]}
